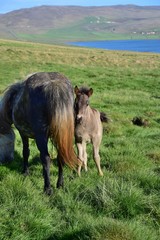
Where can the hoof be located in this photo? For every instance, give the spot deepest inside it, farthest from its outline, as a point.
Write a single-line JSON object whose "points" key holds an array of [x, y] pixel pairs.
{"points": [[101, 174], [25, 173], [48, 191], [60, 185]]}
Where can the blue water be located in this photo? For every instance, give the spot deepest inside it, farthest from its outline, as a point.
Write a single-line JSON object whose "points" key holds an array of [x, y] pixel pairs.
{"points": [[128, 45]]}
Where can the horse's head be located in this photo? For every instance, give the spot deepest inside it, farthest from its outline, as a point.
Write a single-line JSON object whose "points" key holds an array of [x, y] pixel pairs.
{"points": [[7, 139], [81, 102], [7, 136]]}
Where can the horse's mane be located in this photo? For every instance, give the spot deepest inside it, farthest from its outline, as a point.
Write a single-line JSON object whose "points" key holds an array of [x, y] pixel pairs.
{"points": [[7, 101]]}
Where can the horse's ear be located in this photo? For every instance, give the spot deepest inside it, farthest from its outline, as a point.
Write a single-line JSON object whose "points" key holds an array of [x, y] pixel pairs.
{"points": [[90, 92], [76, 90]]}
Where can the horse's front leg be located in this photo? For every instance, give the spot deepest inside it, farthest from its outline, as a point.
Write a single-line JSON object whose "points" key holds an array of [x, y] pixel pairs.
{"points": [[42, 141], [60, 182], [26, 153]]}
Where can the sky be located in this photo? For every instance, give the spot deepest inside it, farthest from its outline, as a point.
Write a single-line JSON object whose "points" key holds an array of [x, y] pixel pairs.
{"points": [[10, 5]]}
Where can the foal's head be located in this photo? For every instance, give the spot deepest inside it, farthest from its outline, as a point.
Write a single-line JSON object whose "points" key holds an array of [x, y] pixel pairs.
{"points": [[81, 101]]}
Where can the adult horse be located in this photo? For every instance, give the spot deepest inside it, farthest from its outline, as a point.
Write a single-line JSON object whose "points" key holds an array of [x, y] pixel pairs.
{"points": [[40, 107], [88, 127]]}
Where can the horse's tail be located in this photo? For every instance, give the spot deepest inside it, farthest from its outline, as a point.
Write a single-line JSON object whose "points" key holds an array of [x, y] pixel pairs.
{"points": [[103, 117], [62, 122]]}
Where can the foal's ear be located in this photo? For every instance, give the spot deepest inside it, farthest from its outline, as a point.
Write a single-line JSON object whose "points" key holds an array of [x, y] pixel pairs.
{"points": [[90, 92], [76, 90]]}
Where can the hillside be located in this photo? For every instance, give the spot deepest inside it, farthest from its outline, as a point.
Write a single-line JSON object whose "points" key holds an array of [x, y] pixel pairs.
{"points": [[66, 23]]}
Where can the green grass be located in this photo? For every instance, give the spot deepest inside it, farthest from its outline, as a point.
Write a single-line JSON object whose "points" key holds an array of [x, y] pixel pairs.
{"points": [[122, 205], [73, 33]]}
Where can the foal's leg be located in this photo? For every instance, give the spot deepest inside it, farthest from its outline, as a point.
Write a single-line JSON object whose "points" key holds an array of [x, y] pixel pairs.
{"points": [[96, 156], [26, 152], [60, 181], [42, 141], [82, 156]]}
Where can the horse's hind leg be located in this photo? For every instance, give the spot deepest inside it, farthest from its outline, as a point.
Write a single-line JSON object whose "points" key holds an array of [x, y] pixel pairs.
{"points": [[60, 182], [96, 156], [25, 154], [42, 141]]}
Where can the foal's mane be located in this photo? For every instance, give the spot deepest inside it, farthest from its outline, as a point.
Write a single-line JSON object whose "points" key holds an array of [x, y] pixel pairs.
{"points": [[84, 90]]}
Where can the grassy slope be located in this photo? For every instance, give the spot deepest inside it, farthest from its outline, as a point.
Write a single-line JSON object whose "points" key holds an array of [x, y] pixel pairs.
{"points": [[83, 31], [76, 31], [124, 204], [72, 34]]}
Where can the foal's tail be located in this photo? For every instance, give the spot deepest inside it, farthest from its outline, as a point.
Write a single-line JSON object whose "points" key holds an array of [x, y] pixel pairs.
{"points": [[103, 117], [62, 126]]}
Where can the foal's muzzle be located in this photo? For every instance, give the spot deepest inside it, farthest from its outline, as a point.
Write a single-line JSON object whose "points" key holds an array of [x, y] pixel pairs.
{"points": [[78, 119]]}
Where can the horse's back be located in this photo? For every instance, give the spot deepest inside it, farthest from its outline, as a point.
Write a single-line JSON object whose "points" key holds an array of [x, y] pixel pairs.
{"points": [[43, 94], [43, 78], [50, 86]]}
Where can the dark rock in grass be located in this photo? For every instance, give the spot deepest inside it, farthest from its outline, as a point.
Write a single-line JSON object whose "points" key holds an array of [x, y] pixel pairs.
{"points": [[140, 121]]}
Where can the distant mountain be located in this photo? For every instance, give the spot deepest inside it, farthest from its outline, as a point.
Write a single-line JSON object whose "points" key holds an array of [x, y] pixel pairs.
{"points": [[71, 23]]}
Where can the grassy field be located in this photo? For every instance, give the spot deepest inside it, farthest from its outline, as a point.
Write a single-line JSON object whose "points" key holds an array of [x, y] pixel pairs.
{"points": [[125, 203]]}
